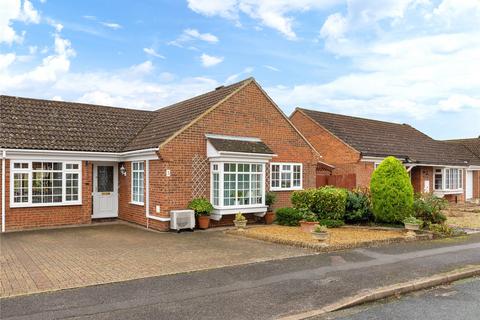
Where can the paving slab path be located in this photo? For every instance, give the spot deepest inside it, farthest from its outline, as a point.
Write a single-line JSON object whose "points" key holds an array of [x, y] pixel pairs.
{"points": [[265, 290]]}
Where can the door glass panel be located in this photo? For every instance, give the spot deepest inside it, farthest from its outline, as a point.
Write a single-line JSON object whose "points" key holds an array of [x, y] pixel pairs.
{"points": [[104, 179]]}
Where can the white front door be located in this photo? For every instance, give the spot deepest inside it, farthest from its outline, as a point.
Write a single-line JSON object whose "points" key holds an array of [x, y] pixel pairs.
{"points": [[469, 186], [105, 190]]}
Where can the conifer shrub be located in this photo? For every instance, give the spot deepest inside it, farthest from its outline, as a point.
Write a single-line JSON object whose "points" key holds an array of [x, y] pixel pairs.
{"points": [[391, 192]]}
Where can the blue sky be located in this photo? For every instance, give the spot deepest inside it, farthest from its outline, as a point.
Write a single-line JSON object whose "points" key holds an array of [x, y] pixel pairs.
{"points": [[408, 61]]}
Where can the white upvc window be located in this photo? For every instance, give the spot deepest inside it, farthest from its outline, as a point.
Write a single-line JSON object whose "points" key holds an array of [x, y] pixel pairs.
{"points": [[45, 183], [138, 176], [286, 176], [237, 184], [448, 179]]}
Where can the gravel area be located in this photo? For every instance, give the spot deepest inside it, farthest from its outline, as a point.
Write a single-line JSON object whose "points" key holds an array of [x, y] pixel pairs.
{"points": [[464, 216], [340, 238]]}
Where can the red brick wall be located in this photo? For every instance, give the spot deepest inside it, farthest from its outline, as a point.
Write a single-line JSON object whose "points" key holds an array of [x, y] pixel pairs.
{"points": [[333, 150], [34, 217], [247, 113], [126, 210]]}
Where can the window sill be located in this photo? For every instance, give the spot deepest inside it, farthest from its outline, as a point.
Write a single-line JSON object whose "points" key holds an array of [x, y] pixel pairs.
{"points": [[445, 192], [286, 189], [34, 205], [140, 204]]}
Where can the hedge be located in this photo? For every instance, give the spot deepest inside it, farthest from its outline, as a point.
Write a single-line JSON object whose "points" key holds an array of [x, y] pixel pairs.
{"points": [[289, 216], [326, 202], [391, 192]]}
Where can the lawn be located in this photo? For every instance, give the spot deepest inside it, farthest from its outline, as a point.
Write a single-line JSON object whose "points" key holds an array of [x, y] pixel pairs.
{"points": [[340, 238]]}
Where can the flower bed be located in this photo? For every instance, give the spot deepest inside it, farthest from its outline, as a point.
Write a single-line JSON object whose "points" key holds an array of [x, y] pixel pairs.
{"points": [[340, 238]]}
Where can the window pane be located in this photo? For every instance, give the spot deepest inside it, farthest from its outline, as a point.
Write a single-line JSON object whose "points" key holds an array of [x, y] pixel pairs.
{"points": [[216, 189], [20, 187], [105, 179]]}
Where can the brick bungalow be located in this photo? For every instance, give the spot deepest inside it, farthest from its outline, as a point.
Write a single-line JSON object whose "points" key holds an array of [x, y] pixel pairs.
{"points": [[67, 163], [355, 146]]}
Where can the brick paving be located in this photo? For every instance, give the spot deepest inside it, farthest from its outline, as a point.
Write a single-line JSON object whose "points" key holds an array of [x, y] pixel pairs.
{"points": [[46, 260]]}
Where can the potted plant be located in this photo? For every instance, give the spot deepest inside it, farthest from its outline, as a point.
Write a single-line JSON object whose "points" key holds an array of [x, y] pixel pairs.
{"points": [[308, 222], [270, 199], [412, 223], [320, 233], [240, 221], [202, 208]]}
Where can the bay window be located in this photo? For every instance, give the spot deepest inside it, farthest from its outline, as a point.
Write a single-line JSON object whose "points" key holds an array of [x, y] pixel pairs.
{"points": [[286, 176], [237, 184], [44, 183], [448, 179], [138, 174]]}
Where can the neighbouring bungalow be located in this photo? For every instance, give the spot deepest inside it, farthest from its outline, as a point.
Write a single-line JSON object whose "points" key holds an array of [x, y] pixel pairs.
{"points": [[67, 163], [355, 147]]}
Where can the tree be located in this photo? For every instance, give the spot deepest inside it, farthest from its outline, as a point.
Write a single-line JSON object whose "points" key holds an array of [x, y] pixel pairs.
{"points": [[391, 192]]}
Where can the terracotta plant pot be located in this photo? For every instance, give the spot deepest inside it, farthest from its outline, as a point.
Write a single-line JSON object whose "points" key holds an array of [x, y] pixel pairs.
{"points": [[307, 226], [242, 224], [203, 222], [269, 217]]}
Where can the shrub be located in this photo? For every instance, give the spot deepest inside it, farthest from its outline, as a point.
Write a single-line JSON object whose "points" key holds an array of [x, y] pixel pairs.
{"points": [[320, 229], [330, 223], [412, 220], [358, 208], [326, 202], [289, 216], [330, 203], [270, 199], [428, 207], [240, 217], [304, 199], [309, 216], [201, 206], [392, 192], [442, 230]]}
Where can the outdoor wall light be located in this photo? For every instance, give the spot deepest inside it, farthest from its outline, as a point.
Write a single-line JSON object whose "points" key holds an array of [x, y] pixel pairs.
{"points": [[123, 171]]}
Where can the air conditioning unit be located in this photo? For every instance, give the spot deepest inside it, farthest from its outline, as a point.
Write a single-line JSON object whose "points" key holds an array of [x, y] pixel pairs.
{"points": [[182, 219]]}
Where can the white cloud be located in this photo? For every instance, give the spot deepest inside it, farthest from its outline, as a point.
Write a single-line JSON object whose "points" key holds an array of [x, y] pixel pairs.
{"points": [[272, 68], [13, 10], [210, 61], [193, 34], [408, 66], [152, 52], [234, 77], [453, 11], [111, 25], [275, 14]]}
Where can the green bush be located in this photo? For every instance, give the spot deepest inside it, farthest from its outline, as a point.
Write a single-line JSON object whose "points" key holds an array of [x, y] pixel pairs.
{"points": [[270, 199], [289, 216], [428, 207], [330, 223], [326, 202], [304, 199], [330, 203], [443, 230], [358, 208], [412, 220], [201, 206], [391, 192]]}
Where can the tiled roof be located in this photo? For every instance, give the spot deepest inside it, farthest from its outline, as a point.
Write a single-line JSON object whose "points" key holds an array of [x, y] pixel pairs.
{"points": [[56, 125], [380, 139], [472, 144], [240, 146], [169, 120]]}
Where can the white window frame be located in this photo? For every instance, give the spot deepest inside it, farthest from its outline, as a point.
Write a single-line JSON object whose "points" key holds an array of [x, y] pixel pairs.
{"points": [[29, 171], [132, 191], [221, 173], [445, 172], [291, 164]]}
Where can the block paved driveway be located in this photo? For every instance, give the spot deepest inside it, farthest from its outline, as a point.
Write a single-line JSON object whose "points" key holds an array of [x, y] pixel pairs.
{"points": [[45, 260]]}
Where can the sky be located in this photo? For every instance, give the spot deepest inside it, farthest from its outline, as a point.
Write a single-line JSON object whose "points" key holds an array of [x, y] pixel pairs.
{"points": [[406, 61]]}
